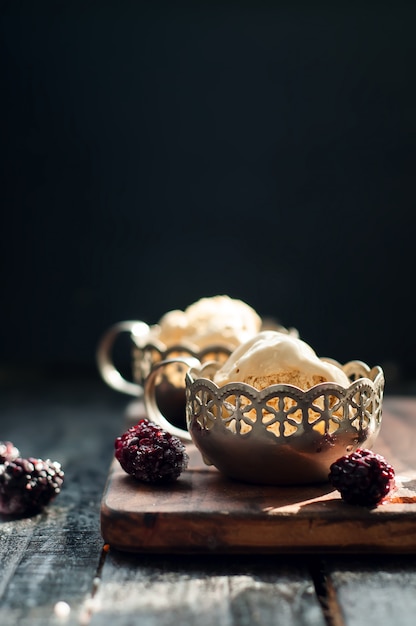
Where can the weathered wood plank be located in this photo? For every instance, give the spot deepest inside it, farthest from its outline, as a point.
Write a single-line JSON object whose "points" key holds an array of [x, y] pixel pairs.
{"points": [[206, 590], [57, 555], [372, 590], [54, 556]]}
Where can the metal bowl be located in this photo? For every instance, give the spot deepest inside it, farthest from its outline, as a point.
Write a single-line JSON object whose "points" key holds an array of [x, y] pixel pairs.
{"points": [[148, 352], [281, 435]]}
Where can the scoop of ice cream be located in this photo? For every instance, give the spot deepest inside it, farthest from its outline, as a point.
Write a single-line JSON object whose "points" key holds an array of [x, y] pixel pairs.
{"points": [[209, 321], [272, 357]]}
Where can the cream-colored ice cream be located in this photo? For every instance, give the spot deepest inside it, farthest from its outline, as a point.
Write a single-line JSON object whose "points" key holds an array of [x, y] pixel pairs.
{"points": [[272, 357], [212, 320]]}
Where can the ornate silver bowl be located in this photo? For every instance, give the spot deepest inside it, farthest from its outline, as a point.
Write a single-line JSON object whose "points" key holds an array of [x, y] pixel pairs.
{"points": [[149, 353], [281, 435], [146, 353]]}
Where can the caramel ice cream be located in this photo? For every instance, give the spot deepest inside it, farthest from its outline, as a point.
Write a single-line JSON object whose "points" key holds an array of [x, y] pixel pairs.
{"points": [[272, 357], [217, 322], [209, 321]]}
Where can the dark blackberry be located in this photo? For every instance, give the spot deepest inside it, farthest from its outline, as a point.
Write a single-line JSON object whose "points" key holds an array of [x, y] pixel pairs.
{"points": [[151, 454], [8, 451], [27, 485], [362, 477]]}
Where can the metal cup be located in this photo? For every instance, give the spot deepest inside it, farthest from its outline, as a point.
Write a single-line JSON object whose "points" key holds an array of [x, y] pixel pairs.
{"points": [[280, 435], [148, 353]]}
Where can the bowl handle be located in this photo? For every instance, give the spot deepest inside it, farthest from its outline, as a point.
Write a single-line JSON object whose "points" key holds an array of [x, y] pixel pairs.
{"points": [[105, 363], [153, 412]]}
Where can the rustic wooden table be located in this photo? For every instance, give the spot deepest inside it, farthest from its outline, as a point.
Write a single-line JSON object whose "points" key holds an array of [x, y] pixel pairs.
{"points": [[59, 555]]}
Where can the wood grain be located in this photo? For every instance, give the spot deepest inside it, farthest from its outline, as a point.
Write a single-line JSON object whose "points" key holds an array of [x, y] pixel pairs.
{"points": [[55, 555], [371, 590], [206, 590], [205, 512], [58, 554]]}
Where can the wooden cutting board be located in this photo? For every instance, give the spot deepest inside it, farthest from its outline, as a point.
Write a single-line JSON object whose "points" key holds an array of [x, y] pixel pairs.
{"points": [[207, 513]]}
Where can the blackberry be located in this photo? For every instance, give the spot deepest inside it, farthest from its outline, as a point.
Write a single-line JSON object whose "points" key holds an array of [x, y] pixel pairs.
{"points": [[8, 451], [362, 478], [151, 454], [27, 485]]}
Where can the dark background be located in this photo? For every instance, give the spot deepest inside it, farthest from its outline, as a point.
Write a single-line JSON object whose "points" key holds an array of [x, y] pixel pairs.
{"points": [[154, 153]]}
